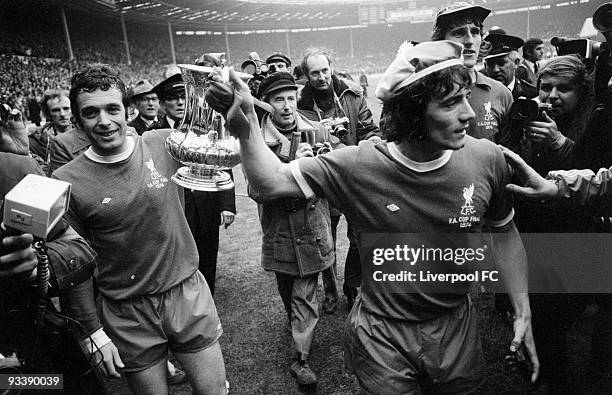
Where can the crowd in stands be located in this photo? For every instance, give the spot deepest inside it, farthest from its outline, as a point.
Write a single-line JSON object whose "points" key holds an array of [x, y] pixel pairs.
{"points": [[42, 51]]}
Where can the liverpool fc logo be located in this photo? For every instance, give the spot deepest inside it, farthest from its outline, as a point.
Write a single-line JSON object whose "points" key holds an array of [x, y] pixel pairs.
{"points": [[487, 106], [468, 207]]}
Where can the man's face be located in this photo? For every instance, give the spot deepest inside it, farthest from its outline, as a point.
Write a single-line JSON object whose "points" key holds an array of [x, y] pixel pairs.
{"points": [[102, 118], [319, 72], [280, 66], [561, 93], [470, 35], [501, 68], [284, 104], [147, 105], [175, 105], [537, 53], [59, 108], [446, 120]]}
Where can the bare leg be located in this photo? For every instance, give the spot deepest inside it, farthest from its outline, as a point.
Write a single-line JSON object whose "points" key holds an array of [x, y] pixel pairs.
{"points": [[149, 381], [205, 370]]}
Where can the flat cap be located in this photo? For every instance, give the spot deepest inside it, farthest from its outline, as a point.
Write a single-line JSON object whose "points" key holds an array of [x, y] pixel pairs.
{"points": [[275, 82], [278, 57]]}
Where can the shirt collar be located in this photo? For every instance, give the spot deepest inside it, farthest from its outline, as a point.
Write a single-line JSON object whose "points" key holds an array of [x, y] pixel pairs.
{"points": [[112, 158], [511, 85], [419, 167]]}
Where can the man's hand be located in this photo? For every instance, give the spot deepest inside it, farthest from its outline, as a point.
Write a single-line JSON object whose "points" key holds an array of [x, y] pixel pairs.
{"points": [[17, 257], [523, 333], [227, 218], [544, 132], [304, 149], [110, 360], [14, 136], [535, 186], [375, 139]]}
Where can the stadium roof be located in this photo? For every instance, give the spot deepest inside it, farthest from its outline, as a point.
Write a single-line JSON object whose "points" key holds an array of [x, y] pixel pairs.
{"points": [[240, 15], [217, 14]]}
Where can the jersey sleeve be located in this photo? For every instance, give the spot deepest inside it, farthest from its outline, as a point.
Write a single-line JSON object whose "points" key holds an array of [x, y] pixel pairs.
{"points": [[500, 211], [326, 175]]}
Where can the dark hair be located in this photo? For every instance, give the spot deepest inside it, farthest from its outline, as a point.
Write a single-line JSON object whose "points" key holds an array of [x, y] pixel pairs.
{"points": [[402, 117], [309, 52], [95, 76], [442, 26], [531, 44], [51, 94]]}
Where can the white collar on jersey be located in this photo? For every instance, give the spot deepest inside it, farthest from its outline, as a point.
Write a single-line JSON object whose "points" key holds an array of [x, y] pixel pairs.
{"points": [[420, 167], [112, 158]]}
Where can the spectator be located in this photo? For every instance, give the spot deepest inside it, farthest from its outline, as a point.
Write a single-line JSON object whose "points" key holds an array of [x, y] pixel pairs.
{"points": [[502, 63], [147, 104], [533, 52], [326, 98]]}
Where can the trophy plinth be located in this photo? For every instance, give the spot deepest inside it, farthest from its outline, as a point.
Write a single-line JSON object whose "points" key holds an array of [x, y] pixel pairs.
{"points": [[201, 142]]}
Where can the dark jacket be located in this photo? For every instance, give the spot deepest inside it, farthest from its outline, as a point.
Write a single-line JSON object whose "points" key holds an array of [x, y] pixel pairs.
{"points": [[361, 124], [525, 73], [67, 146], [297, 237], [139, 124]]}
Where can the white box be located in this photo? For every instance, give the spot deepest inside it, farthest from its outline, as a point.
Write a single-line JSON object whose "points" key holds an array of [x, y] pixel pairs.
{"points": [[36, 204]]}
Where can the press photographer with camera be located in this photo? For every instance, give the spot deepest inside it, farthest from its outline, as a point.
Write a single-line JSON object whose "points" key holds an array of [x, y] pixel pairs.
{"points": [[340, 105], [283, 221], [48, 347]]}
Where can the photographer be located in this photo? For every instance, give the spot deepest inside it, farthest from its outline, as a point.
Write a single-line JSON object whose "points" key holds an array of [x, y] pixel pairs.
{"points": [[547, 143], [327, 97], [50, 347], [297, 242]]}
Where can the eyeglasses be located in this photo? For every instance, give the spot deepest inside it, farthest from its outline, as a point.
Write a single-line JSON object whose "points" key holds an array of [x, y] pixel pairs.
{"points": [[149, 99], [9, 114]]}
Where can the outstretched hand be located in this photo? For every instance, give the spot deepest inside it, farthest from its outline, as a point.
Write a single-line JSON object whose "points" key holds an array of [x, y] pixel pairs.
{"points": [[219, 95], [535, 186], [523, 334]]}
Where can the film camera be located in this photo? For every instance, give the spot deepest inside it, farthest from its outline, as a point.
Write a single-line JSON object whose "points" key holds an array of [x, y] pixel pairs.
{"points": [[336, 126], [528, 110], [259, 71], [588, 49]]}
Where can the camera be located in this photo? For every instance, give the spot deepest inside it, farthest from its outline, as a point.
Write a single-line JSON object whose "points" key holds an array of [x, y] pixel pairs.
{"points": [[259, 71], [336, 126], [528, 110], [586, 48], [321, 148]]}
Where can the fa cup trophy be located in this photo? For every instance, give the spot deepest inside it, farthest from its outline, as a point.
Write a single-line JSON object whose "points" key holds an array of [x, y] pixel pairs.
{"points": [[201, 142]]}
